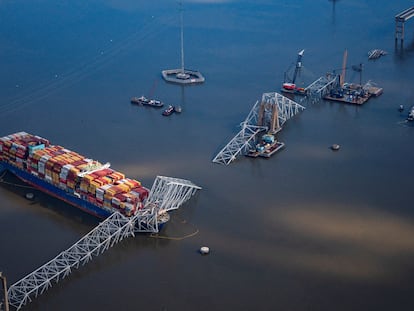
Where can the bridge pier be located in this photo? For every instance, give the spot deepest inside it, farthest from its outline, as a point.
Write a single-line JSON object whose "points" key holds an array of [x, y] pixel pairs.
{"points": [[400, 20]]}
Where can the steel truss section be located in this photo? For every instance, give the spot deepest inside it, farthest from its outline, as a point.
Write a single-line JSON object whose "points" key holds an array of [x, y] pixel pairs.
{"points": [[106, 234], [322, 86], [262, 112], [286, 107], [243, 141], [253, 116], [167, 193]]}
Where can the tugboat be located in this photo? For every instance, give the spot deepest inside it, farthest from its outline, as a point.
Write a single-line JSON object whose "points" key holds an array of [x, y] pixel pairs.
{"points": [[168, 111], [146, 102], [411, 114], [266, 148]]}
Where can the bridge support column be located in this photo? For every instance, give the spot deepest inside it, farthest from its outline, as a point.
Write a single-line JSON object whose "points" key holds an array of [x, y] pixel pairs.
{"points": [[399, 30], [400, 19]]}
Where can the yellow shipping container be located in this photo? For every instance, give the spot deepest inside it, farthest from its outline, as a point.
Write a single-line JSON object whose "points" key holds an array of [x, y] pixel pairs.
{"points": [[70, 184], [93, 186], [108, 196], [84, 187], [117, 175], [74, 170], [88, 178], [38, 154], [124, 187], [128, 183]]}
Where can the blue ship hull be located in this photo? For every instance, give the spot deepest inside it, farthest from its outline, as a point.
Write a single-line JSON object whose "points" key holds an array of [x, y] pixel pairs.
{"points": [[56, 192]]}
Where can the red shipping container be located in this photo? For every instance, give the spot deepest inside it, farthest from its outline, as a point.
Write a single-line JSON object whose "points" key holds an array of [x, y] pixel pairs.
{"points": [[143, 192], [121, 197]]}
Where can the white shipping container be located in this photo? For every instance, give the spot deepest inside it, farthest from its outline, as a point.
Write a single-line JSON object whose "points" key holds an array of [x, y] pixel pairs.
{"points": [[116, 201], [67, 167], [41, 166], [22, 133], [44, 158]]}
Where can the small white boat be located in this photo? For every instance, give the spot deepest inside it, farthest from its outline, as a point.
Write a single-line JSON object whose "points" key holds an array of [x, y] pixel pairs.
{"points": [[411, 114]]}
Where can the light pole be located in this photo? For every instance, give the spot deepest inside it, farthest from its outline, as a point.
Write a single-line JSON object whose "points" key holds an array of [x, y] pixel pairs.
{"points": [[6, 298]]}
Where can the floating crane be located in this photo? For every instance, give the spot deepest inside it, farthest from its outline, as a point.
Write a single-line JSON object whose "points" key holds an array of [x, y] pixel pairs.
{"points": [[290, 87], [351, 93], [344, 60]]}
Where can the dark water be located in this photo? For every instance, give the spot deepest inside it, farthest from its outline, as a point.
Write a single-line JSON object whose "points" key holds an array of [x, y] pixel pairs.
{"points": [[309, 229]]}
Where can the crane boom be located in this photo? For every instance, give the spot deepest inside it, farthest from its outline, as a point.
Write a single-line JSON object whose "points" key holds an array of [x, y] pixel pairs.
{"points": [[298, 65], [342, 78]]}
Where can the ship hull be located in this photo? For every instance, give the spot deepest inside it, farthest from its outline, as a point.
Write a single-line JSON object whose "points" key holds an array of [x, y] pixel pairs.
{"points": [[56, 192]]}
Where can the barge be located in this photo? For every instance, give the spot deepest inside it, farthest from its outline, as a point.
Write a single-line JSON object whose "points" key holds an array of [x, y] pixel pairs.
{"points": [[266, 148]]}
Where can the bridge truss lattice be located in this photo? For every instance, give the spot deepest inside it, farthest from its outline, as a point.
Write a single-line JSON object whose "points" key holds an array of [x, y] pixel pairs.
{"points": [[270, 113], [166, 194]]}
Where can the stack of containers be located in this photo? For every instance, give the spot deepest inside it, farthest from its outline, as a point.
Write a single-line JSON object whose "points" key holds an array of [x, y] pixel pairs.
{"points": [[100, 193], [63, 175], [110, 192], [51, 164], [60, 166], [14, 148]]}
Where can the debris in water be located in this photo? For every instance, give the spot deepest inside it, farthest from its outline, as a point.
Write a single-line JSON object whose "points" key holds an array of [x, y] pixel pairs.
{"points": [[374, 54]]}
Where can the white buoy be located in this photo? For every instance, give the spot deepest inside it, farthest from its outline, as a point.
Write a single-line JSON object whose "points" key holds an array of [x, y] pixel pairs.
{"points": [[29, 196], [335, 147], [204, 250]]}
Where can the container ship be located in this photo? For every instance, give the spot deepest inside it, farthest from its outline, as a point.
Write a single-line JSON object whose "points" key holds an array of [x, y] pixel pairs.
{"points": [[82, 182]]}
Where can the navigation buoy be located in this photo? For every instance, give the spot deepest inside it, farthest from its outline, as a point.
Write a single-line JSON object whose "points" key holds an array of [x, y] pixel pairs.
{"points": [[204, 250], [29, 196], [335, 147]]}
